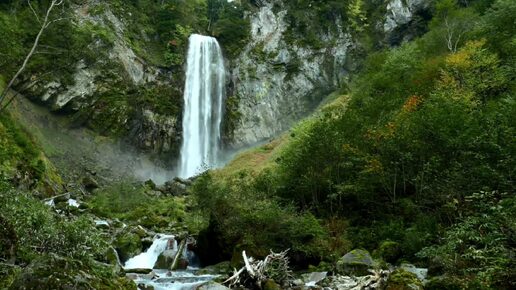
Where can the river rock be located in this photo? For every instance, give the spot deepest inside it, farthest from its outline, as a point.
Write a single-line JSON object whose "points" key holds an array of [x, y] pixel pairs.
{"points": [[421, 273], [270, 285], [165, 259], [356, 262], [311, 279], [62, 198], [143, 286], [402, 279], [212, 286], [139, 271], [128, 245], [89, 183], [141, 232]]}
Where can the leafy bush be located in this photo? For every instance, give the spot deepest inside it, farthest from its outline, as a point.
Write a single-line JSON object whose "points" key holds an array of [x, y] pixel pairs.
{"points": [[131, 203], [479, 245], [39, 230], [243, 219]]}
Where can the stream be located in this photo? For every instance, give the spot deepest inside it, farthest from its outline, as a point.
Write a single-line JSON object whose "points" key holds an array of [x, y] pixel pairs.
{"points": [[164, 279]]}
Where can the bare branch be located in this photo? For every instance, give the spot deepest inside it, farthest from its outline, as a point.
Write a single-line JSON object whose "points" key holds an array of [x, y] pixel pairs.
{"points": [[34, 11], [44, 25]]}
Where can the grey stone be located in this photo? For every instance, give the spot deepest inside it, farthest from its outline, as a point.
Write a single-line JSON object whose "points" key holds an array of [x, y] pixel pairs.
{"points": [[421, 273], [212, 286], [357, 262], [311, 279], [279, 89]]}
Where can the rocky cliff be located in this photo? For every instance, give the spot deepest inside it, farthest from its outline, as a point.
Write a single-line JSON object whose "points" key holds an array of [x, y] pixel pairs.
{"points": [[276, 81], [113, 89]]}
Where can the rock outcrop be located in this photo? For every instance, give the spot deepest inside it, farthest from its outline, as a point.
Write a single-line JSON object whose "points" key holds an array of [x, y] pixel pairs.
{"points": [[277, 82]]}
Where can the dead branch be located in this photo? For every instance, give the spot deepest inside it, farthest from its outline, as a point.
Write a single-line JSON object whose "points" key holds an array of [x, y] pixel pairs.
{"points": [[255, 272]]}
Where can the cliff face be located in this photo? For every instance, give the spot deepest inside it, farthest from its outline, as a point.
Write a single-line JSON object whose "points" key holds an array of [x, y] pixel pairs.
{"points": [[274, 81], [111, 82], [277, 81]]}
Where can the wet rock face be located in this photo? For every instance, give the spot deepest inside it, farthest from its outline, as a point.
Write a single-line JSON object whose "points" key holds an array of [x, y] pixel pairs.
{"points": [[276, 82], [160, 133]]}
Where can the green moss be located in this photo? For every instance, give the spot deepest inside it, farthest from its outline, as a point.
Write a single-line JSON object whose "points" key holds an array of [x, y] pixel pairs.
{"points": [[128, 244], [403, 280], [389, 251], [131, 203]]}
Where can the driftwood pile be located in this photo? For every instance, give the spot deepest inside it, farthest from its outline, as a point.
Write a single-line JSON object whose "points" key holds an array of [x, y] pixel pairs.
{"points": [[256, 272]]}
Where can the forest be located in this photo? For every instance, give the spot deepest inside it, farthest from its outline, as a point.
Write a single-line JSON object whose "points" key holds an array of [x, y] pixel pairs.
{"points": [[410, 159]]}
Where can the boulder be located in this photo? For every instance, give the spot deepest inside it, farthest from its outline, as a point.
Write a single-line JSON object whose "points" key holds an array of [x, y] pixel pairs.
{"points": [[357, 262], [143, 286], [421, 273], [174, 188], [139, 271], [89, 183], [165, 260], [62, 198], [389, 251], [212, 286], [102, 224], [113, 259], [128, 245], [311, 279], [401, 279]]}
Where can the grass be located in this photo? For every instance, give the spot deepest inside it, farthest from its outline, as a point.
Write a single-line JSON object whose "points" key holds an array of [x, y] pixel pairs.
{"points": [[254, 160], [258, 159]]}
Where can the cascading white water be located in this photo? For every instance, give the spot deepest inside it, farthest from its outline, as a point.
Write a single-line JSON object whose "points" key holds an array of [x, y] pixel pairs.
{"points": [[203, 98], [147, 259]]}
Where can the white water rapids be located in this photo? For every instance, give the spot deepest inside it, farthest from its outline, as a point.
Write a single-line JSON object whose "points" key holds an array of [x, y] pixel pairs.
{"points": [[164, 279], [203, 100], [147, 259]]}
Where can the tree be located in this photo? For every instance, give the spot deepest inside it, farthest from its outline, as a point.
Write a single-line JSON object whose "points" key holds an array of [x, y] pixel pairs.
{"points": [[44, 25]]}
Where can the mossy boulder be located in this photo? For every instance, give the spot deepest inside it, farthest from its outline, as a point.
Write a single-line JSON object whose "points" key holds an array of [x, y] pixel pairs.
{"points": [[401, 279], [356, 262], [128, 245], [389, 251], [213, 286]]}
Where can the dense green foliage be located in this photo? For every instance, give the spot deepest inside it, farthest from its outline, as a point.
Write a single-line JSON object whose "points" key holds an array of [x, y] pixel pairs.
{"points": [[46, 250], [428, 124], [131, 203], [244, 218], [21, 160]]}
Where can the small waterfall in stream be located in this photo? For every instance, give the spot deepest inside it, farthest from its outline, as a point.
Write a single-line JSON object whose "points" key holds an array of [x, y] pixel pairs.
{"points": [[147, 259], [164, 279], [203, 99]]}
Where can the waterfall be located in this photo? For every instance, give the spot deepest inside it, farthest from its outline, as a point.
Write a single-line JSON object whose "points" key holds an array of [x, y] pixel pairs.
{"points": [[148, 258], [203, 98]]}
